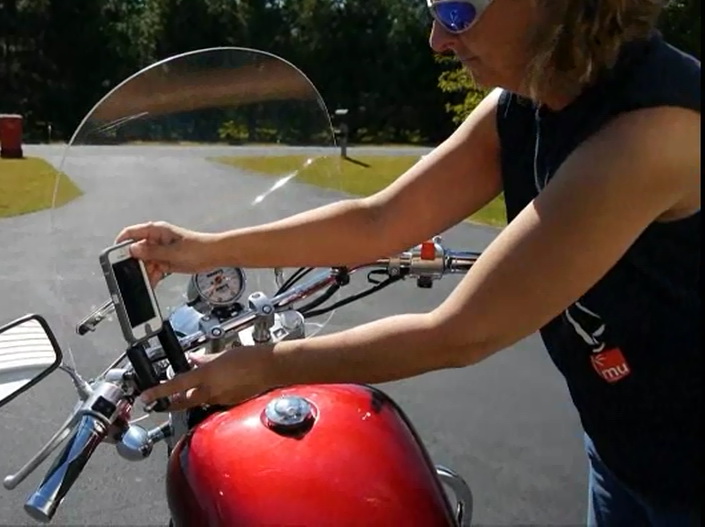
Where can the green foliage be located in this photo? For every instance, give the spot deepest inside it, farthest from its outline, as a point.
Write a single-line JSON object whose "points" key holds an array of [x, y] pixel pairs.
{"points": [[58, 58], [238, 133], [465, 95], [681, 25], [232, 132]]}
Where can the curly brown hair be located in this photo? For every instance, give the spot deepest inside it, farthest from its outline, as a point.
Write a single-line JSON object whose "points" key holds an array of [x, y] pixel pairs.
{"points": [[576, 40]]}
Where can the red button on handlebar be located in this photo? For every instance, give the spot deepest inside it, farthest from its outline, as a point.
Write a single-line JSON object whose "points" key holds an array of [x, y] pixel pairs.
{"points": [[428, 250]]}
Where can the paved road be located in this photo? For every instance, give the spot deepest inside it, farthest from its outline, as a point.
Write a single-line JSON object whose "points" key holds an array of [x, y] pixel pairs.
{"points": [[506, 424], [55, 151]]}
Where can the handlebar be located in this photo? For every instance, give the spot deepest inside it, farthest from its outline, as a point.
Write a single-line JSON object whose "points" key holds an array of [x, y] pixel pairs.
{"points": [[426, 262], [91, 422]]}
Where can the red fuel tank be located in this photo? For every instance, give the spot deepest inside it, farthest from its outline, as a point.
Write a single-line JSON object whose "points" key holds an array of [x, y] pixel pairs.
{"points": [[323, 455]]}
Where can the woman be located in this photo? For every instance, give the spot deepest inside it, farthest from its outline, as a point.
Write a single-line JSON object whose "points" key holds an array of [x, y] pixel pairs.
{"points": [[593, 134]]}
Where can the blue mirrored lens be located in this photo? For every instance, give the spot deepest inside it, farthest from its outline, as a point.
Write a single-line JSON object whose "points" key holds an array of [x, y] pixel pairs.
{"points": [[455, 16]]}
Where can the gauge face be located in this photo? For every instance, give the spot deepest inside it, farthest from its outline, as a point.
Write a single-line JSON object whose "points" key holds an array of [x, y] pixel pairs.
{"points": [[220, 287]]}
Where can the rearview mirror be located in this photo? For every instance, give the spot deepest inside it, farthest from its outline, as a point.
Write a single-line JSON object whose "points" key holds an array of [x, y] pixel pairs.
{"points": [[28, 353]]}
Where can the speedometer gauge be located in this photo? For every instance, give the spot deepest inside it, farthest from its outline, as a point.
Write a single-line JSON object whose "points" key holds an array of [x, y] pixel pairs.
{"points": [[221, 287]]}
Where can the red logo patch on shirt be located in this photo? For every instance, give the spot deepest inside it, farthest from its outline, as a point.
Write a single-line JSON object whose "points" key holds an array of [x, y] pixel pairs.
{"points": [[610, 364]]}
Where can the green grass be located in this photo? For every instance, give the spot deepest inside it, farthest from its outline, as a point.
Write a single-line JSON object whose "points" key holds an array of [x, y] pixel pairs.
{"points": [[27, 185], [361, 176]]}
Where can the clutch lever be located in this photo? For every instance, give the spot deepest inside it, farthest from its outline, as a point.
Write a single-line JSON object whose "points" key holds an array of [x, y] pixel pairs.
{"points": [[11, 481]]}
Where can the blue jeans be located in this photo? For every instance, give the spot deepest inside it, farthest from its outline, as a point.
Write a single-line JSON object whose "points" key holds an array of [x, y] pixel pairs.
{"points": [[613, 504]]}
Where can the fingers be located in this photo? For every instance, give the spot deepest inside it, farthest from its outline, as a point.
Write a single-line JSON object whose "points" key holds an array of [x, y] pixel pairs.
{"points": [[185, 390], [181, 383], [150, 252], [201, 359], [189, 399], [158, 233], [158, 245], [140, 231], [156, 272]]}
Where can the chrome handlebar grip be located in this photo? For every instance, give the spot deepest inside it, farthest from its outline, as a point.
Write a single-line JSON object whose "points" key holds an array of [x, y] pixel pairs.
{"points": [[87, 435], [105, 405], [457, 262]]}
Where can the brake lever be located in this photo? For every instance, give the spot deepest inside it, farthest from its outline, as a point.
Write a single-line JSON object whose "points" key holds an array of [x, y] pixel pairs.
{"points": [[11, 481]]}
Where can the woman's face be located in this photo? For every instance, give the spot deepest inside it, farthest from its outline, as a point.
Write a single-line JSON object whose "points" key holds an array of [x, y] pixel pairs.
{"points": [[494, 49]]}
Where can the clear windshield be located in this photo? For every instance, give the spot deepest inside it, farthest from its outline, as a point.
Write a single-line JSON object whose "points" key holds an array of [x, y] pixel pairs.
{"points": [[210, 140]]}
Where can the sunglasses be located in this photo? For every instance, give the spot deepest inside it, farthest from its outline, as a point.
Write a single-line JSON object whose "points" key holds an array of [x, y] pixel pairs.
{"points": [[457, 16]]}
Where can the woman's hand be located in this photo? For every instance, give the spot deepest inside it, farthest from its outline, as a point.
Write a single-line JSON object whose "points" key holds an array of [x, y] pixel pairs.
{"points": [[166, 248], [226, 379]]}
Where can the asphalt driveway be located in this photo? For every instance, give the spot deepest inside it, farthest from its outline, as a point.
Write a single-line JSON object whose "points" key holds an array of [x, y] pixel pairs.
{"points": [[507, 424]]}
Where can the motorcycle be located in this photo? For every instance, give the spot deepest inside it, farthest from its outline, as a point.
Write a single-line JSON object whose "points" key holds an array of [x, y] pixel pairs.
{"points": [[340, 454]]}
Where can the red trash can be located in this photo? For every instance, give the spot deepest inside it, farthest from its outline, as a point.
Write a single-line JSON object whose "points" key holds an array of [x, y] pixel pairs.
{"points": [[10, 135]]}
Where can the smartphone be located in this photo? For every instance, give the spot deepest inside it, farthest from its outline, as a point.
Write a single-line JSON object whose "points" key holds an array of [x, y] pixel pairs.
{"points": [[135, 303]]}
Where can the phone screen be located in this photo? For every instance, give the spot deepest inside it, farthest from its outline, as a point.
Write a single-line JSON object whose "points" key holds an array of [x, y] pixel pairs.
{"points": [[133, 290]]}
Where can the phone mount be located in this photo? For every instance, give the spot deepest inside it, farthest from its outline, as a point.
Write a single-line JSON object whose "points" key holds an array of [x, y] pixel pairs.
{"points": [[145, 373], [172, 348]]}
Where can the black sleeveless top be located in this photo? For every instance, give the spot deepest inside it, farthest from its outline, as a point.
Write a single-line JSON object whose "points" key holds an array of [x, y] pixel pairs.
{"points": [[630, 348]]}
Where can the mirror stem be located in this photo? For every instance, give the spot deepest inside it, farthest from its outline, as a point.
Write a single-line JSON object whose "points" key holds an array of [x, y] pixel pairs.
{"points": [[82, 386]]}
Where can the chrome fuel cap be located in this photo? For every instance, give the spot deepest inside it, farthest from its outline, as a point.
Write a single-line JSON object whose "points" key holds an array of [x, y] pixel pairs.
{"points": [[288, 412]]}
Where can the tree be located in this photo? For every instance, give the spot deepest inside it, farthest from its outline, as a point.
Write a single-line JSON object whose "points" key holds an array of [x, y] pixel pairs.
{"points": [[58, 58], [680, 25], [465, 94]]}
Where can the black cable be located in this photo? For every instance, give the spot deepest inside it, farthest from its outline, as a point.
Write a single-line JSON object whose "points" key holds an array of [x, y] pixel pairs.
{"points": [[318, 301], [370, 275], [295, 277], [348, 300]]}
